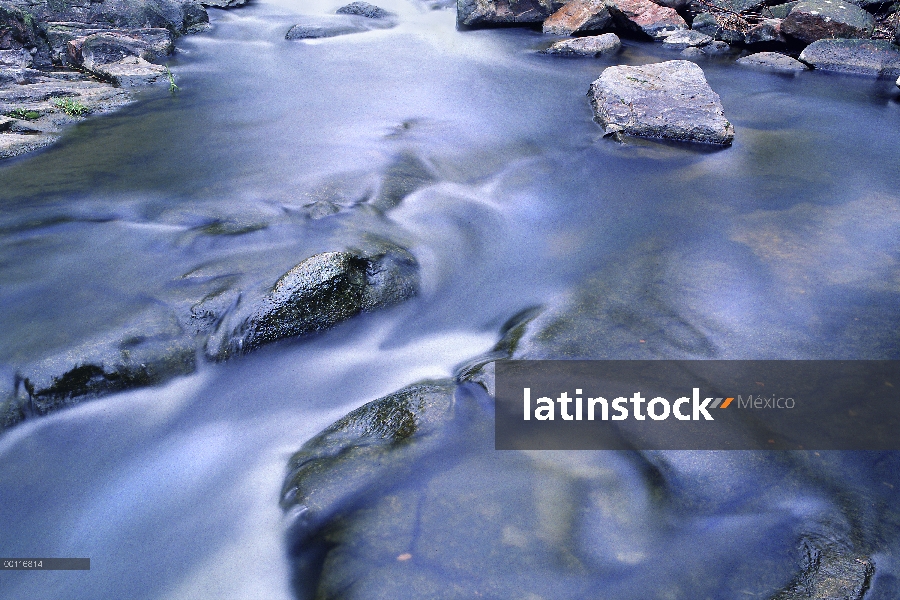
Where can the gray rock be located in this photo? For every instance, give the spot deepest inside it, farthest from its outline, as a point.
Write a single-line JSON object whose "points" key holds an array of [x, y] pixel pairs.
{"points": [[669, 100], [178, 16], [812, 20], [878, 58], [131, 71], [364, 9], [684, 39], [403, 176], [727, 6], [333, 26], [646, 17], [578, 16], [146, 351], [718, 28], [592, 45], [109, 47], [224, 3], [768, 31], [17, 28], [773, 61], [676, 4], [484, 13], [780, 11], [829, 570], [315, 295]]}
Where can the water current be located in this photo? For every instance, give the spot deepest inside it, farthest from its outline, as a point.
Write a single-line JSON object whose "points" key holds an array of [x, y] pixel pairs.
{"points": [[785, 245]]}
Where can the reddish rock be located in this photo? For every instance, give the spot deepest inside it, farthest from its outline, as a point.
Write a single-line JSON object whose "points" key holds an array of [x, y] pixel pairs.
{"points": [[646, 17], [578, 16], [812, 20]]}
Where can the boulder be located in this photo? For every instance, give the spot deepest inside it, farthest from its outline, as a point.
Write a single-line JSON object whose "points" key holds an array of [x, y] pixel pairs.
{"points": [[718, 27], [773, 61], [17, 28], [829, 570], [149, 350], [131, 71], [646, 17], [685, 39], [364, 9], [178, 16], [878, 58], [315, 295], [812, 20], [333, 26], [578, 16], [104, 48], [713, 48], [484, 13], [780, 11], [592, 45], [669, 100], [767, 31]]}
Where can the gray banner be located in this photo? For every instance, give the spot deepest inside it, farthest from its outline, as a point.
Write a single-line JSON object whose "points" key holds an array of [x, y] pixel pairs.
{"points": [[698, 405]]}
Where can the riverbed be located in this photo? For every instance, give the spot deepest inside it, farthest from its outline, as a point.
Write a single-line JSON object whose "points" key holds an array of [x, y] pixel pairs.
{"points": [[783, 246]]}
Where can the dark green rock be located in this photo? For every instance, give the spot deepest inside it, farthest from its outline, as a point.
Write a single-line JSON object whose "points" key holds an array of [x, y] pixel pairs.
{"points": [[317, 294]]}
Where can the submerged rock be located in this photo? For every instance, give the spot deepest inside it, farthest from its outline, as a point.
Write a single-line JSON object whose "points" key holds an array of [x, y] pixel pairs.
{"points": [[773, 61], [812, 20], [646, 17], [224, 3], [315, 295], [482, 13], [878, 58], [592, 45], [830, 570], [324, 27], [148, 350], [669, 100], [578, 16]]}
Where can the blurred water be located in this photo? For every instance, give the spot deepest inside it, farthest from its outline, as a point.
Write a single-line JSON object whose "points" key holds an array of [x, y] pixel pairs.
{"points": [[784, 246]]}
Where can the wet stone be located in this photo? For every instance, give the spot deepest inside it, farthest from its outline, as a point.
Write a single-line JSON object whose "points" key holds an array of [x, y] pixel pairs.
{"points": [[364, 9], [773, 61], [684, 39], [669, 100], [315, 295], [876, 58], [485, 13], [592, 45]]}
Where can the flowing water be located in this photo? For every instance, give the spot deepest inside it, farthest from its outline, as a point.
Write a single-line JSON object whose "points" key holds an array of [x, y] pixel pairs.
{"points": [[783, 246]]}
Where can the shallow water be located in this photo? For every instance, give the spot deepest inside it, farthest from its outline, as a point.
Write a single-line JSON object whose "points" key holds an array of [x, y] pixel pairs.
{"points": [[783, 246]]}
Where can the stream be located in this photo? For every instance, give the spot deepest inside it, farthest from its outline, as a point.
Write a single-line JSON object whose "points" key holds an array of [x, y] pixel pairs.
{"points": [[784, 246]]}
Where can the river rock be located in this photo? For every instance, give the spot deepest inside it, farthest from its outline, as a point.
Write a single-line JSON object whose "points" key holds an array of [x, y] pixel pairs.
{"points": [[333, 26], [669, 100], [131, 71], [315, 295], [767, 31], [812, 20], [830, 570], [481, 13], [109, 47], [364, 9], [646, 17], [148, 350], [878, 58], [224, 3], [685, 39], [780, 11], [578, 16], [592, 45], [178, 16], [718, 28], [17, 28], [774, 61]]}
